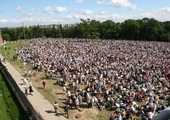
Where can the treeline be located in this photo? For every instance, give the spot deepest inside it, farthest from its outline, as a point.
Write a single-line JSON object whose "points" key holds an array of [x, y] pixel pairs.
{"points": [[147, 29]]}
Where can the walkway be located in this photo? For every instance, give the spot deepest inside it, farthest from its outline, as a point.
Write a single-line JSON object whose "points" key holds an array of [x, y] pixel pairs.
{"points": [[40, 104]]}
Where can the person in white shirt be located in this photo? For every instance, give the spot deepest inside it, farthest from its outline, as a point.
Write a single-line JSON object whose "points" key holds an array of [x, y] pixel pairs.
{"points": [[56, 107]]}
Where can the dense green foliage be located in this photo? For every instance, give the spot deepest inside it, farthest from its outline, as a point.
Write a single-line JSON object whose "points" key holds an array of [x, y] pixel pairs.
{"points": [[147, 29], [10, 108]]}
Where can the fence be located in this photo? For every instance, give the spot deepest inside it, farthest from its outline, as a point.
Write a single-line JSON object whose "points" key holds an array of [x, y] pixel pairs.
{"points": [[25, 104]]}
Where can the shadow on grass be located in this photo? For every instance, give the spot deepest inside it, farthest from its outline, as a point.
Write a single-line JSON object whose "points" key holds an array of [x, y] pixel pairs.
{"points": [[39, 87], [60, 93], [55, 83], [83, 106], [62, 99], [65, 103]]}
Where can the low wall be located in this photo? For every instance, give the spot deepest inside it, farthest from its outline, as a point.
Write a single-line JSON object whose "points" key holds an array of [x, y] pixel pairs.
{"points": [[26, 105]]}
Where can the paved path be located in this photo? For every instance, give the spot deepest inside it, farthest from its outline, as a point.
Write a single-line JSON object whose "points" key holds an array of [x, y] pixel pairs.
{"points": [[40, 104]]}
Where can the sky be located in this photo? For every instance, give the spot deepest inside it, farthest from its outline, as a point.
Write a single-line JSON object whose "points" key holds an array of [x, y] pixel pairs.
{"points": [[15, 13]]}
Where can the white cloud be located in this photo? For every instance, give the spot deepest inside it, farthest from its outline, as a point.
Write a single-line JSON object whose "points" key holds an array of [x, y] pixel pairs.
{"points": [[69, 16], [28, 19], [162, 14], [114, 17], [30, 13], [101, 17], [147, 14], [48, 9], [122, 3], [78, 16], [101, 2], [3, 20], [79, 1], [120, 17], [87, 12], [166, 9], [20, 9], [103, 12], [60, 9], [19, 21]]}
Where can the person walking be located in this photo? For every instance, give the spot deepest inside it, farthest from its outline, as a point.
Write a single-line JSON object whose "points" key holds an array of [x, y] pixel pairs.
{"points": [[66, 108], [30, 88], [64, 89], [56, 108], [30, 83], [25, 80], [44, 83]]}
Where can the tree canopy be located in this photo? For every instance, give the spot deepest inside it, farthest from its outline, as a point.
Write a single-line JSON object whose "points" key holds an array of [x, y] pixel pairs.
{"points": [[147, 29]]}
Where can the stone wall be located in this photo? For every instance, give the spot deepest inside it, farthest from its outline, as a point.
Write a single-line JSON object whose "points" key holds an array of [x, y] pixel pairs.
{"points": [[21, 97]]}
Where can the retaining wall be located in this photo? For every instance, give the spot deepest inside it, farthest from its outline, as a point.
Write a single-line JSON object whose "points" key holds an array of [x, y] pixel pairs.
{"points": [[26, 105]]}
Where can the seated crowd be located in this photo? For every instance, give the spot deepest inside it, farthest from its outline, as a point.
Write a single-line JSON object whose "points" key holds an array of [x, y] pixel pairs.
{"points": [[129, 77]]}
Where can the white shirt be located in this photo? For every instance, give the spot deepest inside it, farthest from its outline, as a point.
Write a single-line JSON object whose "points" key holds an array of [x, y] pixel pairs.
{"points": [[150, 115]]}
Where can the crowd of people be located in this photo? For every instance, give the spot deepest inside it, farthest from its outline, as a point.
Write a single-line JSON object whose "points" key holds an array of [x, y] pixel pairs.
{"points": [[129, 77]]}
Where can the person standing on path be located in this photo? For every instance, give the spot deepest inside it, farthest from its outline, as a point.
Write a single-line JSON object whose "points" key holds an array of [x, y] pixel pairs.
{"points": [[30, 87], [30, 90], [44, 83], [30, 83], [56, 108], [66, 108], [25, 80]]}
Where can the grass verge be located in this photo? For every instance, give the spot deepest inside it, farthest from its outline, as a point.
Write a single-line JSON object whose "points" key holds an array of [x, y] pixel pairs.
{"points": [[10, 108]]}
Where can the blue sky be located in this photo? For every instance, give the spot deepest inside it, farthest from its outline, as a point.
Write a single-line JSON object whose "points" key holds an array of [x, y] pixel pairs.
{"points": [[43, 12]]}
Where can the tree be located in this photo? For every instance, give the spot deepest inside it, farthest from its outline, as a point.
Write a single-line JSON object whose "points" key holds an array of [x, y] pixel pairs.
{"points": [[37, 32], [166, 26], [68, 32], [54, 32], [94, 29], [109, 30], [130, 29], [82, 29], [6, 37], [28, 33], [85, 26], [13, 34], [142, 29], [151, 29], [47, 32]]}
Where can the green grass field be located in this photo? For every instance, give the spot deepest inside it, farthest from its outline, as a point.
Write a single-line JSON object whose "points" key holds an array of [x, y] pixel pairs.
{"points": [[8, 53], [9, 107]]}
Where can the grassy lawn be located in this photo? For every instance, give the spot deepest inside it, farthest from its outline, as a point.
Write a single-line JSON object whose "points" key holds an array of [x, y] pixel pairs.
{"points": [[8, 53], [10, 108]]}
